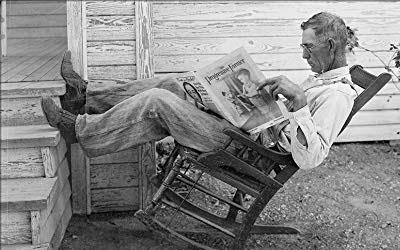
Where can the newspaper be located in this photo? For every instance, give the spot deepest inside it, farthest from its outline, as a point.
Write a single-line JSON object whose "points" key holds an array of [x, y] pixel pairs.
{"points": [[228, 87]]}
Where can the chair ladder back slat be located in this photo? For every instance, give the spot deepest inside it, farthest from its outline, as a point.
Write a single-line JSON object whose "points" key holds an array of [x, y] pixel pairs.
{"points": [[371, 84], [361, 77]]}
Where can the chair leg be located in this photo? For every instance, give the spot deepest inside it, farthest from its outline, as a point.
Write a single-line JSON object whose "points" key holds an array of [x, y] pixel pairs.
{"points": [[255, 209], [233, 212]]}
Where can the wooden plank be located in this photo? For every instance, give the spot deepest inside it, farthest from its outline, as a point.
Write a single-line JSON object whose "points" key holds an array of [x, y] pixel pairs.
{"points": [[376, 117], [32, 89], [28, 46], [25, 247], [254, 45], [111, 53], [53, 74], [144, 45], [21, 163], [23, 111], [110, 28], [46, 68], [53, 157], [35, 226], [100, 8], [23, 74], [127, 156], [3, 29], [145, 68], [29, 136], [39, 21], [120, 73], [27, 193], [37, 32], [147, 169], [370, 133], [383, 102], [76, 30], [15, 227], [25, 64], [42, 8], [233, 10], [270, 61], [264, 27], [114, 199], [36, 46], [48, 226], [113, 175], [61, 227], [10, 62], [79, 180], [41, 216]]}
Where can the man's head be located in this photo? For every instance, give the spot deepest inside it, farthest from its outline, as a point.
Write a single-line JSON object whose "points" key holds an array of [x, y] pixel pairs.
{"points": [[192, 92], [324, 42], [243, 75]]}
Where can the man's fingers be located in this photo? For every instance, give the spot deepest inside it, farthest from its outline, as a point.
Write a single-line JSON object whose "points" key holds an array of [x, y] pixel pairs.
{"points": [[268, 81]]}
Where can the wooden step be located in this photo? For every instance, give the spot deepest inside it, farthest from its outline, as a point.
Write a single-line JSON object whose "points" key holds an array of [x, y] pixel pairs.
{"points": [[29, 136], [43, 227], [32, 89], [31, 162], [20, 102], [26, 194]]}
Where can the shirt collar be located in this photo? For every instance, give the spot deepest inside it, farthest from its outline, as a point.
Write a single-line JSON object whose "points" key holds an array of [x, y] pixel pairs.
{"points": [[334, 73], [326, 78]]}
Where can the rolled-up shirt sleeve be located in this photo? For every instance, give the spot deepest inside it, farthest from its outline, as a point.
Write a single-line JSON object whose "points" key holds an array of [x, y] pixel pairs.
{"points": [[320, 128]]}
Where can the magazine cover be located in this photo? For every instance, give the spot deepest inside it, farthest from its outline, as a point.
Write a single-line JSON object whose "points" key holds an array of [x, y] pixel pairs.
{"points": [[195, 92], [232, 83]]}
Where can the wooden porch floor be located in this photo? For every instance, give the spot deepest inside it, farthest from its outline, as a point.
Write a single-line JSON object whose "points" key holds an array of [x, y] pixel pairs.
{"points": [[33, 59]]}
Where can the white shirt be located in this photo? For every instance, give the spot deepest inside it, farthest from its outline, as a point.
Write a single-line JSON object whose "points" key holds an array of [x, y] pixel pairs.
{"points": [[330, 99]]}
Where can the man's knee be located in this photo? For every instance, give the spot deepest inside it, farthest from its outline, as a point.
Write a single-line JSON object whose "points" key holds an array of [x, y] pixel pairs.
{"points": [[157, 95]]}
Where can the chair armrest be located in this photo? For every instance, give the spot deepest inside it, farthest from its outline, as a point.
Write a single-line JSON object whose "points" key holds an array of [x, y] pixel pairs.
{"points": [[278, 157]]}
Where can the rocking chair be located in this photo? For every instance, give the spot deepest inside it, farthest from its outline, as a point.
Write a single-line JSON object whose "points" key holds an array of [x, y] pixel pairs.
{"points": [[243, 172]]}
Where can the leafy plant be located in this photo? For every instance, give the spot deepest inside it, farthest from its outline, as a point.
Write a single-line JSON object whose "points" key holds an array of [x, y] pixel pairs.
{"points": [[352, 42]]}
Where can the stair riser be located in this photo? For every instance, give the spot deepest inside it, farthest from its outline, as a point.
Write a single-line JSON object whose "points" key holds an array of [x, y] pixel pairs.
{"points": [[31, 162], [23, 111], [38, 227]]}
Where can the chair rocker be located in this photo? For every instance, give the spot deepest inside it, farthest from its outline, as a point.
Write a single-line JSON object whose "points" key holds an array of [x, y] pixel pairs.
{"points": [[243, 172]]}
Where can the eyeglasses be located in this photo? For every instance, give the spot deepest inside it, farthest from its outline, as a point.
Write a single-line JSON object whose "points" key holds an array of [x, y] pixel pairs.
{"points": [[309, 46]]}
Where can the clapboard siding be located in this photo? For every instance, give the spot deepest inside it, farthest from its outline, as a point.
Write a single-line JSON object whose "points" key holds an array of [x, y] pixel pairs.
{"points": [[189, 35], [272, 61], [263, 27], [111, 40], [254, 45], [232, 10], [114, 7], [114, 199], [36, 19], [25, 8]]}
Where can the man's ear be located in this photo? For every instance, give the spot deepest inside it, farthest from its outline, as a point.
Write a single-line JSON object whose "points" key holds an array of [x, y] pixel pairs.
{"points": [[332, 44]]}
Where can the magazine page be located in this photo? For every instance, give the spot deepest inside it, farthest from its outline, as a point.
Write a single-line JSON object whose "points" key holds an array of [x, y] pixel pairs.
{"points": [[234, 80], [195, 91]]}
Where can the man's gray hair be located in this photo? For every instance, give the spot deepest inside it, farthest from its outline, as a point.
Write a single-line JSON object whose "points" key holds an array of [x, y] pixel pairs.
{"points": [[327, 25]]}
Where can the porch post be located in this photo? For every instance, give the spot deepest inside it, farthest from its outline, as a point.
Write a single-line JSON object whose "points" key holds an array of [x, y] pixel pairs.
{"points": [[145, 69], [80, 172]]}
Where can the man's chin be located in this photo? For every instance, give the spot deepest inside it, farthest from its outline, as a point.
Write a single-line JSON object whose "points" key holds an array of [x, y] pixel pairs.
{"points": [[315, 69]]}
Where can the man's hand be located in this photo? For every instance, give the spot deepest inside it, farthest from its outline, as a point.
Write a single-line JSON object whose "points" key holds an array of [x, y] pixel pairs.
{"points": [[282, 85]]}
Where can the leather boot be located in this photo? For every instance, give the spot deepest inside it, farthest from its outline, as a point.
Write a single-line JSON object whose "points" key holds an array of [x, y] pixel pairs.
{"points": [[60, 118], [75, 95]]}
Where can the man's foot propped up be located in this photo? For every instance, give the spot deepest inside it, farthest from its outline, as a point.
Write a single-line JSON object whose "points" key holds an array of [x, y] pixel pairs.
{"points": [[75, 97], [60, 118]]}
